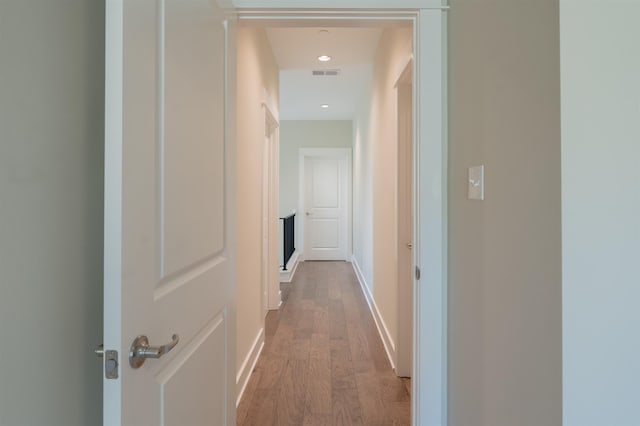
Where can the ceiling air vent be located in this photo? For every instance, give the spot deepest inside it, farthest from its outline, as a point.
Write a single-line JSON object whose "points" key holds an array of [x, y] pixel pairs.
{"points": [[328, 73]]}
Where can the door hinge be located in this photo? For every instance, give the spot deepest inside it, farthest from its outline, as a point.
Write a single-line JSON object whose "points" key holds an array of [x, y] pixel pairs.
{"points": [[417, 273], [110, 361]]}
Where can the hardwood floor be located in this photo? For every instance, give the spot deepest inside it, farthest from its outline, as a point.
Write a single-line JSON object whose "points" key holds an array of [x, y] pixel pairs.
{"points": [[323, 362]]}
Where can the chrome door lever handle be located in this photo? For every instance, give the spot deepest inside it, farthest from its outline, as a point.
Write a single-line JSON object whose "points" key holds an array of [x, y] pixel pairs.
{"points": [[140, 350]]}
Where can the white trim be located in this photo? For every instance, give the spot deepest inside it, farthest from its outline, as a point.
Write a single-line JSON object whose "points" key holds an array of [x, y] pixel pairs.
{"points": [[292, 266], [407, 70], [346, 154], [113, 200], [271, 106], [250, 361], [383, 331], [429, 396], [359, 5]]}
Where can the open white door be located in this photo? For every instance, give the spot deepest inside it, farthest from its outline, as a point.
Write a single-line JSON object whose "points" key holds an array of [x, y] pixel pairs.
{"points": [[169, 215]]}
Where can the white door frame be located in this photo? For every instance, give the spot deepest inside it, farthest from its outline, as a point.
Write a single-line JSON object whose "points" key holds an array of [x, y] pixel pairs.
{"points": [[304, 153], [428, 17], [270, 184]]}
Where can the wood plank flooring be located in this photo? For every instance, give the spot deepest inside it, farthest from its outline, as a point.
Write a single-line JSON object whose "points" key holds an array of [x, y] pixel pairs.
{"points": [[323, 362]]}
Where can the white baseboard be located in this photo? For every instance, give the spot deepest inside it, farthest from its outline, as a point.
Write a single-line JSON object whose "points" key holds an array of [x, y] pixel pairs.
{"points": [[387, 341], [292, 265], [244, 374]]}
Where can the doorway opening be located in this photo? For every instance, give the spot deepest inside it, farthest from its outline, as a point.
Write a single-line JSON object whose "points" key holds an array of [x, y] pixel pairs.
{"points": [[428, 200]]}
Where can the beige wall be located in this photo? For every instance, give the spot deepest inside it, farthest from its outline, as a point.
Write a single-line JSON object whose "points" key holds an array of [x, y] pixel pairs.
{"points": [[306, 134], [375, 169], [363, 194], [51, 201], [505, 339], [600, 60], [257, 71]]}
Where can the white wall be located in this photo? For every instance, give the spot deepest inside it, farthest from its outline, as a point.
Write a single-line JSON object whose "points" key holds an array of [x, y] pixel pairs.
{"points": [[375, 169], [600, 63], [257, 71], [505, 341], [296, 134], [363, 193], [51, 168]]}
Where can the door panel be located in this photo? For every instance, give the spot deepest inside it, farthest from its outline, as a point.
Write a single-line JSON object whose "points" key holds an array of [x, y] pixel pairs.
{"points": [[326, 233], [169, 254], [325, 174], [192, 166], [186, 372]]}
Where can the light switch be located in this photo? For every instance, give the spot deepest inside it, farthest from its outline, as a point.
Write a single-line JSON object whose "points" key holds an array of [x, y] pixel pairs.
{"points": [[476, 183]]}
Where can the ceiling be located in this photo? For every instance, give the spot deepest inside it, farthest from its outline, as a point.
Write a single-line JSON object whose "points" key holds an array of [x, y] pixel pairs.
{"points": [[297, 50]]}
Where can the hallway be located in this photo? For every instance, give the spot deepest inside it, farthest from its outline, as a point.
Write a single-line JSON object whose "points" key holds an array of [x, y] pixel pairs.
{"points": [[323, 362]]}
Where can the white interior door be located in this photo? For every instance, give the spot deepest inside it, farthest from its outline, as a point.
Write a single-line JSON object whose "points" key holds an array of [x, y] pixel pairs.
{"points": [[169, 230], [326, 207], [404, 247]]}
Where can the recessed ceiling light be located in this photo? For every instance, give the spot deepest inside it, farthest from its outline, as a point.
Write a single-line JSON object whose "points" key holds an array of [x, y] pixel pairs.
{"points": [[323, 32], [324, 106], [324, 58]]}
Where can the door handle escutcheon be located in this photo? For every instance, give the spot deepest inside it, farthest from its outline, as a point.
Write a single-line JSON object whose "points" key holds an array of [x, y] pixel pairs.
{"points": [[140, 350]]}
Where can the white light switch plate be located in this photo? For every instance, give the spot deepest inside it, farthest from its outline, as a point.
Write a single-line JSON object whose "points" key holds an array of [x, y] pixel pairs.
{"points": [[476, 183]]}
